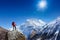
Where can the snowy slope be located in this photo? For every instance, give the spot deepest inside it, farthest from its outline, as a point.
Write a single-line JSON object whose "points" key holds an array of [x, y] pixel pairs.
{"points": [[54, 25], [51, 31], [30, 25]]}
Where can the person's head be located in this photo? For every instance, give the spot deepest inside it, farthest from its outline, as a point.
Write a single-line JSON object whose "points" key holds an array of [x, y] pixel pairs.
{"points": [[13, 23]]}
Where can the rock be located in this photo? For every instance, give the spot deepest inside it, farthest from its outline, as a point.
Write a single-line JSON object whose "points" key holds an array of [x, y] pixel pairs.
{"points": [[15, 35], [3, 34]]}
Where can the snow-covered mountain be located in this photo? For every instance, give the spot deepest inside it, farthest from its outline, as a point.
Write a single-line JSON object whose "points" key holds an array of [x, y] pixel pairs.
{"points": [[51, 31], [31, 24], [44, 31], [54, 25]]}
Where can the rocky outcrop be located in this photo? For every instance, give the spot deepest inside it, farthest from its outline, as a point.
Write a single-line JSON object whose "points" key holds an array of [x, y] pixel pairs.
{"points": [[11, 35], [15, 35], [3, 34]]}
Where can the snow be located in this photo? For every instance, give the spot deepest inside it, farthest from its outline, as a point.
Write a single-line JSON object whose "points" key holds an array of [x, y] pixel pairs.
{"points": [[31, 24], [40, 26], [36, 22]]}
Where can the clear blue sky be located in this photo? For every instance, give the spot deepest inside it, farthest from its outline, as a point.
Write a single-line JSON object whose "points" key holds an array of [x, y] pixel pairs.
{"points": [[20, 10]]}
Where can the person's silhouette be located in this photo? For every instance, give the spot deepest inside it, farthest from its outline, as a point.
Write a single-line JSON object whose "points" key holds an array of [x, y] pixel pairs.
{"points": [[14, 25]]}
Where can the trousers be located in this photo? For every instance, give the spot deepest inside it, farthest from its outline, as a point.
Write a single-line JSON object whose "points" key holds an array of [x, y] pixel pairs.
{"points": [[14, 28]]}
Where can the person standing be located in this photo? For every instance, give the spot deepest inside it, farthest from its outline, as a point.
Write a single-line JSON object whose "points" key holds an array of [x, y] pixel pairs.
{"points": [[14, 25]]}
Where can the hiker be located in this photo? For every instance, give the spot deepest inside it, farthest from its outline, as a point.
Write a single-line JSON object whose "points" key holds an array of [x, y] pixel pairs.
{"points": [[14, 25]]}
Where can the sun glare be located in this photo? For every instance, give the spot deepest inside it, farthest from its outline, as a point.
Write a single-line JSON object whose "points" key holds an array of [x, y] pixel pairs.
{"points": [[42, 4]]}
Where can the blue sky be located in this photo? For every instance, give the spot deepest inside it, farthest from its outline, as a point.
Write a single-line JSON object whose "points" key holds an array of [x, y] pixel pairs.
{"points": [[20, 10]]}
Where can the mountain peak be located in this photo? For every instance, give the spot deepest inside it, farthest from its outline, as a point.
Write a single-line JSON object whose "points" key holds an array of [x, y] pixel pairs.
{"points": [[57, 20], [36, 22], [31, 24]]}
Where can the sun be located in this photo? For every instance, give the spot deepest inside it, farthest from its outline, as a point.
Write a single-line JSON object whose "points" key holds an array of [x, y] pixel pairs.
{"points": [[42, 4]]}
